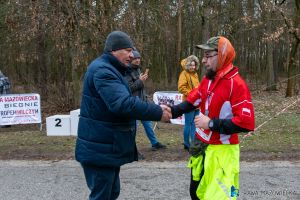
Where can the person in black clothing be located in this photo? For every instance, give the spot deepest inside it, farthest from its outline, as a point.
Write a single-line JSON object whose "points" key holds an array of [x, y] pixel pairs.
{"points": [[4, 89], [136, 81]]}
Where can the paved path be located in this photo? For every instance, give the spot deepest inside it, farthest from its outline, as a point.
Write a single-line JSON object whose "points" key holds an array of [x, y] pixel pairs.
{"points": [[63, 180]]}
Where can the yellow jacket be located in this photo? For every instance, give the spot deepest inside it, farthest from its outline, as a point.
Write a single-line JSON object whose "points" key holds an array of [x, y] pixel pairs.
{"points": [[188, 80]]}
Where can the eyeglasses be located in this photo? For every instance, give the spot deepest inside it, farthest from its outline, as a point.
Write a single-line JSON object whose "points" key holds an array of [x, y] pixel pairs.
{"points": [[209, 56]]}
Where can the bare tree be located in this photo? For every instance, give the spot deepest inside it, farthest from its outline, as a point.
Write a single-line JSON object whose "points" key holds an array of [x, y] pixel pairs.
{"points": [[47, 45]]}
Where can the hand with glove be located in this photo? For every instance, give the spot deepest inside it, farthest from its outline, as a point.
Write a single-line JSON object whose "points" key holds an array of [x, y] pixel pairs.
{"points": [[197, 147]]}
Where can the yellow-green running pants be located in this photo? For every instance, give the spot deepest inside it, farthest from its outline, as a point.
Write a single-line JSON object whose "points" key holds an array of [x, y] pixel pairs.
{"points": [[220, 180]]}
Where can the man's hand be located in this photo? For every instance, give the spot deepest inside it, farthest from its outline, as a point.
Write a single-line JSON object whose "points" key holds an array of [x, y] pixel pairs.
{"points": [[167, 115], [143, 77], [201, 121]]}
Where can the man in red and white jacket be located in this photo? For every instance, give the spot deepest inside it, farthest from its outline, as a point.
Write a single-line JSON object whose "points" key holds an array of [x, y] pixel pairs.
{"points": [[226, 109]]}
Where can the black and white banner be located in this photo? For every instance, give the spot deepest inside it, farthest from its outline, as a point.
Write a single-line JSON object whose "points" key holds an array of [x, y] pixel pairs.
{"points": [[169, 98], [20, 109]]}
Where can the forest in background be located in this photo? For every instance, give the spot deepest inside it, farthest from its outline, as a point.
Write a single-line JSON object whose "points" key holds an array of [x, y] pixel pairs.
{"points": [[46, 45]]}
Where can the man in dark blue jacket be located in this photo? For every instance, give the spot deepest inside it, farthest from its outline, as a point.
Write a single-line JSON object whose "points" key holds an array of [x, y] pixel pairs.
{"points": [[108, 113]]}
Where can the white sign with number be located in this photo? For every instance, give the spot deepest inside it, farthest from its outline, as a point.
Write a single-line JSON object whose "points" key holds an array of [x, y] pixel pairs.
{"points": [[20, 109], [58, 125]]}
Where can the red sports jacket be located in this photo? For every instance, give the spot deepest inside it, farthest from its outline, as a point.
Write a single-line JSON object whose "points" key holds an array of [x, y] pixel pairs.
{"points": [[226, 97]]}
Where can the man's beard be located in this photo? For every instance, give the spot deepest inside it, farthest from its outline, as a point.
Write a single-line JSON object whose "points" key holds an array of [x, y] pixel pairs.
{"points": [[210, 74]]}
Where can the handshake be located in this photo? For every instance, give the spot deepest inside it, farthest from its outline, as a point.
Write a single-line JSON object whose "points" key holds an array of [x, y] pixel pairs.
{"points": [[201, 120], [167, 114]]}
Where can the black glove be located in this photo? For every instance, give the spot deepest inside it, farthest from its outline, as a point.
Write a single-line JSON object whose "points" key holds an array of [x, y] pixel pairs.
{"points": [[197, 147]]}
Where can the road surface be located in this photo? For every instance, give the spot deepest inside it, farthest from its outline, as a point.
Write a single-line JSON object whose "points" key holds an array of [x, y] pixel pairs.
{"points": [[64, 180]]}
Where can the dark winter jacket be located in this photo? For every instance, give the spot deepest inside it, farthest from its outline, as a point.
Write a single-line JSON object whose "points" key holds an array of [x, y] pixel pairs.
{"points": [[136, 85], [4, 84], [106, 129]]}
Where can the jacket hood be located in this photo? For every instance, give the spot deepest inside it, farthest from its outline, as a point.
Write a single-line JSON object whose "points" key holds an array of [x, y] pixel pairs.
{"points": [[185, 63], [226, 53]]}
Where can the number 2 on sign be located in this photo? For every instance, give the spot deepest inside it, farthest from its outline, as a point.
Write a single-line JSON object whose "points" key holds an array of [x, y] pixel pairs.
{"points": [[58, 124]]}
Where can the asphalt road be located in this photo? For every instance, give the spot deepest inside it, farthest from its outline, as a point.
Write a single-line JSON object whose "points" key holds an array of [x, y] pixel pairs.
{"points": [[63, 180]]}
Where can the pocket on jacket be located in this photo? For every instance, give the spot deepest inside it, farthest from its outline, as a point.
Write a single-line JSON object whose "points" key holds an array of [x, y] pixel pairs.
{"points": [[124, 141]]}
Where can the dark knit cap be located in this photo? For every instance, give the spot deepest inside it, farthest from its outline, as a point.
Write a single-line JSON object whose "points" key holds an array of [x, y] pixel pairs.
{"points": [[117, 40], [136, 54]]}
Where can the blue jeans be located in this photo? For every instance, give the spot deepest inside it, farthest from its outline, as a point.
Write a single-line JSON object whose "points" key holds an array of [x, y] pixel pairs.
{"points": [[149, 131], [189, 127]]}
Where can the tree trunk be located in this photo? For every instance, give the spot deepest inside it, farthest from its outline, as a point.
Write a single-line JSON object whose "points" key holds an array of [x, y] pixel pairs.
{"points": [[271, 81], [179, 32], [292, 70], [292, 64]]}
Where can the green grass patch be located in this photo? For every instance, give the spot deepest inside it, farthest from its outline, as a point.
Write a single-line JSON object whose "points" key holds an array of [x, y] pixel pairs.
{"points": [[34, 145], [281, 134]]}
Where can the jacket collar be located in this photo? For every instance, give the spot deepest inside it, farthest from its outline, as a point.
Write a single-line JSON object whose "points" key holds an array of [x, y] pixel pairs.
{"points": [[115, 62], [134, 66], [224, 70], [227, 72]]}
